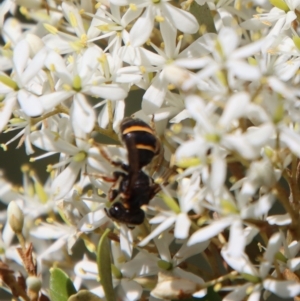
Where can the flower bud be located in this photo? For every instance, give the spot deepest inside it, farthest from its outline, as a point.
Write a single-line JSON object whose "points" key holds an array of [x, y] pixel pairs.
{"points": [[15, 217], [33, 283], [171, 287]]}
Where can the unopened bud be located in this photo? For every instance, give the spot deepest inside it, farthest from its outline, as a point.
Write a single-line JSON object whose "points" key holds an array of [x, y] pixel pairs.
{"points": [[33, 283], [15, 217], [171, 287]]}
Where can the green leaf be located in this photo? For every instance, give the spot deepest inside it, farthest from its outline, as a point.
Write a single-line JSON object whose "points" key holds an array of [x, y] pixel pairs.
{"points": [[84, 295], [104, 266], [61, 286]]}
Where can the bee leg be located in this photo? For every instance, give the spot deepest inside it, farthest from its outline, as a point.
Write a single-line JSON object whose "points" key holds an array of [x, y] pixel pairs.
{"points": [[101, 176], [155, 188], [152, 123], [115, 188], [106, 156]]}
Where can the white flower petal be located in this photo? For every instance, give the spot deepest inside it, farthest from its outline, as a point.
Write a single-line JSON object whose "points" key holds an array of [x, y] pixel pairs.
{"points": [[169, 37], [182, 226], [165, 225], [30, 104], [63, 183], [86, 269], [280, 220], [237, 240], [235, 108], [143, 264], [182, 20], [126, 241], [34, 66], [180, 117], [73, 16], [92, 220], [241, 264], [51, 100], [58, 43], [244, 70], [7, 107], [142, 28], [254, 296], [238, 294], [154, 97], [218, 173], [229, 40], [259, 136], [259, 208], [293, 264], [137, 56], [187, 251], [209, 231], [162, 243], [47, 140], [284, 289], [291, 139], [56, 63], [274, 244], [46, 232], [84, 112], [35, 43], [131, 289], [111, 92], [198, 49], [21, 57]]}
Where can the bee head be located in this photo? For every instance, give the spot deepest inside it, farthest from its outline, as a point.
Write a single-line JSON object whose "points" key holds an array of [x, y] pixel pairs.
{"points": [[120, 214]]}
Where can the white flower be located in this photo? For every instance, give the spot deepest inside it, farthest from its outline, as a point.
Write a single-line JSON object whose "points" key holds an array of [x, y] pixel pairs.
{"points": [[80, 78], [226, 54], [155, 96], [160, 11], [238, 260], [78, 158], [25, 85]]}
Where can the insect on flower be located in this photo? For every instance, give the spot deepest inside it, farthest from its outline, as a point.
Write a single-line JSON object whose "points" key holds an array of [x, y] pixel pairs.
{"points": [[132, 185]]}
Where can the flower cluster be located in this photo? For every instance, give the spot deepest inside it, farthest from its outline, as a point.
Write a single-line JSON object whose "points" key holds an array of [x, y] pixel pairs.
{"points": [[220, 82]]}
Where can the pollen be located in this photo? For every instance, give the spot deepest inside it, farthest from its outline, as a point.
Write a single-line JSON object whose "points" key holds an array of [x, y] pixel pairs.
{"points": [[268, 23], [49, 168], [73, 20], [50, 28], [102, 59], [132, 6], [52, 68], [67, 87], [7, 46], [4, 146], [84, 40], [159, 19], [80, 156], [103, 27], [77, 83], [24, 11], [143, 69]]}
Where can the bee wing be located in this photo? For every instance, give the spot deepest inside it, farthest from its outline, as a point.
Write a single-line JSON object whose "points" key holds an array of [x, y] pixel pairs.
{"points": [[133, 162]]}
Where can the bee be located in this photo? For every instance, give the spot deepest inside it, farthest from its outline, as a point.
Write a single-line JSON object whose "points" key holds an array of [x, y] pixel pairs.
{"points": [[133, 187]]}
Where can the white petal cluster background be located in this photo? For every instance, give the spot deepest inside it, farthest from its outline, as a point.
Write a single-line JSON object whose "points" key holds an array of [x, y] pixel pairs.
{"points": [[220, 82]]}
